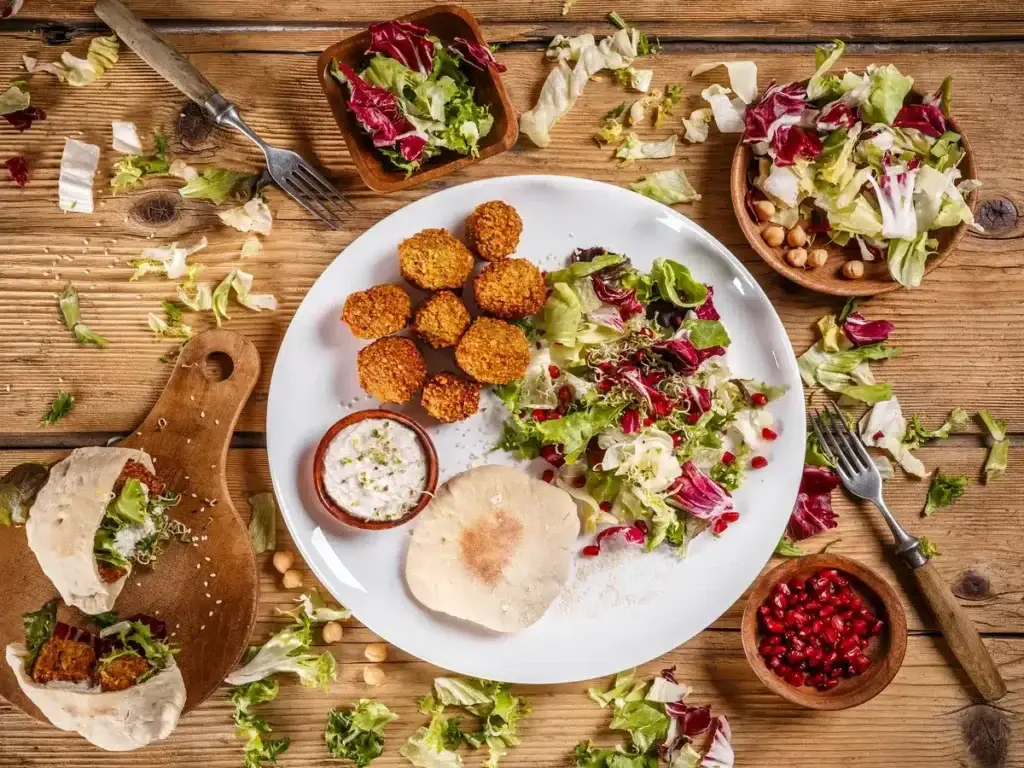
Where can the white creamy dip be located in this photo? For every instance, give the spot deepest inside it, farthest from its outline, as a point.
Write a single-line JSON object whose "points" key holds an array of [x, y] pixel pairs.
{"points": [[375, 469]]}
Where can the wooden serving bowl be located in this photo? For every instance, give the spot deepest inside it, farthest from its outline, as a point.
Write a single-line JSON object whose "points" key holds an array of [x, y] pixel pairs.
{"points": [[342, 514], [445, 22], [886, 650], [828, 279]]}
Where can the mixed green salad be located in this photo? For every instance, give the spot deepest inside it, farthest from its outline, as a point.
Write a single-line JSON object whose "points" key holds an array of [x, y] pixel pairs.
{"points": [[135, 526], [414, 98], [628, 394], [863, 160]]}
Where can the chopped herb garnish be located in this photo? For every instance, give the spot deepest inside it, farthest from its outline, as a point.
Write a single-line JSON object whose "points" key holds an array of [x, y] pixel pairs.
{"points": [[928, 548], [60, 408]]}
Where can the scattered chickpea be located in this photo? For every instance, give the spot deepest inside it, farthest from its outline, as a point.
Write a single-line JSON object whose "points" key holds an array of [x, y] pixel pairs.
{"points": [[332, 632], [376, 652], [292, 579], [373, 675], [796, 237], [283, 561], [796, 257], [774, 235], [853, 269], [817, 258], [764, 209]]}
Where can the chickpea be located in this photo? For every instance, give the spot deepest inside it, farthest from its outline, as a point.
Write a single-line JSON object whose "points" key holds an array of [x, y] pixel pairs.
{"points": [[853, 269], [373, 675], [332, 632], [774, 235], [796, 257], [376, 652], [764, 209], [796, 237], [283, 561], [291, 579], [817, 258]]}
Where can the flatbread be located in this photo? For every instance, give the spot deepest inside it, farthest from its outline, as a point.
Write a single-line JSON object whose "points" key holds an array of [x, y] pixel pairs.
{"points": [[63, 521], [494, 547], [117, 721]]}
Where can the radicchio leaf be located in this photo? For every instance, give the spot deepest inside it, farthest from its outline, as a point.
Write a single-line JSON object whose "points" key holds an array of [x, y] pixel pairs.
{"points": [[699, 495], [379, 114], [404, 42], [657, 402], [553, 454], [927, 118], [22, 119], [860, 331], [699, 399], [623, 298], [476, 55], [634, 534], [791, 142], [17, 168], [720, 754], [778, 101], [836, 115], [813, 511], [681, 353], [630, 421], [707, 311], [693, 721]]}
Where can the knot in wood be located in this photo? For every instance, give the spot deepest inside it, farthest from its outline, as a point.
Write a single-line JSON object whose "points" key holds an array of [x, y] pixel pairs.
{"points": [[987, 735], [156, 210], [193, 126], [971, 585], [56, 34], [997, 214]]}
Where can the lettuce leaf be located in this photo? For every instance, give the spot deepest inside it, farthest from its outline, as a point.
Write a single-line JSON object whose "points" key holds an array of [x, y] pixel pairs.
{"points": [[943, 491], [704, 334], [574, 431], [668, 187], [928, 548], [358, 734], [562, 315], [999, 453], [580, 269], [101, 56], [677, 285], [645, 723], [18, 491], [742, 77], [635, 149], [253, 216], [71, 312], [587, 756], [218, 185], [697, 125], [254, 729], [129, 171], [907, 259], [886, 93], [15, 98], [822, 85], [288, 651], [38, 626]]}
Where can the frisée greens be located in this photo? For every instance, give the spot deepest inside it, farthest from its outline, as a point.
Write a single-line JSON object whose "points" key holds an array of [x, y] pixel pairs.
{"points": [[135, 526]]}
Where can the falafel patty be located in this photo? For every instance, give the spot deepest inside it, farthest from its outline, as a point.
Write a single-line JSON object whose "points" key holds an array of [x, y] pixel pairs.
{"points": [[378, 311], [122, 673], [449, 397], [64, 659], [493, 351], [493, 230], [510, 289], [391, 369], [433, 259], [441, 320]]}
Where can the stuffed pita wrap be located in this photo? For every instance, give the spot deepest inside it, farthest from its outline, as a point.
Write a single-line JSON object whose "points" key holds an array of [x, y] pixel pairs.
{"points": [[101, 511], [121, 690]]}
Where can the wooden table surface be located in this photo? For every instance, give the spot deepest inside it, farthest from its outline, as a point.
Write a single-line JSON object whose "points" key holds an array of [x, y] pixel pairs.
{"points": [[961, 333]]}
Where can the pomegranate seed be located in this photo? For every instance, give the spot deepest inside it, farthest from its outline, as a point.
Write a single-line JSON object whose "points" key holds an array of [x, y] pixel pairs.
{"points": [[775, 662], [779, 613], [579, 482], [838, 624], [774, 626], [795, 657], [850, 646], [758, 462], [775, 639], [860, 627], [804, 635], [728, 458], [548, 476], [830, 636], [799, 598], [764, 645], [816, 626], [815, 680], [769, 434], [591, 550], [860, 663], [676, 440], [795, 584], [864, 643], [814, 657], [760, 399], [828, 685], [877, 627], [554, 372], [692, 418], [783, 671], [826, 610], [797, 643], [539, 414], [778, 600], [846, 615], [606, 506], [777, 650], [795, 678], [565, 394], [764, 610], [835, 673]]}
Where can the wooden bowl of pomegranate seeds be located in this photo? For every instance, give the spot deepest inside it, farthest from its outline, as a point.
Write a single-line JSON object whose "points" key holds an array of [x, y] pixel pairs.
{"points": [[824, 632]]}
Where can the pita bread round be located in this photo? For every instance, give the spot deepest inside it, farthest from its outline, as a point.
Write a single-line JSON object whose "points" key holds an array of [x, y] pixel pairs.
{"points": [[63, 521], [494, 547], [117, 721]]}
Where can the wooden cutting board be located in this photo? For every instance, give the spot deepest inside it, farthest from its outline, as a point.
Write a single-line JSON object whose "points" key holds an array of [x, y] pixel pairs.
{"points": [[206, 590]]}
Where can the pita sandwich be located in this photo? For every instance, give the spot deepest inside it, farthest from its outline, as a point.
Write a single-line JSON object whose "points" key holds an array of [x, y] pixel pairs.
{"points": [[72, 507], [494, 547]]}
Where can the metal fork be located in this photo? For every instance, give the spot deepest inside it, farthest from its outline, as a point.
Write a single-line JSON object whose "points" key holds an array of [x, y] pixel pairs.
{"points": [[290, 172], [860, 477]]}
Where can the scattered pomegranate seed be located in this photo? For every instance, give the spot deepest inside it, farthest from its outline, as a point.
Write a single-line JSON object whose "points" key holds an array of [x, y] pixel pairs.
{"points": [[877, 436], [539, 414], [606, 506], [548, 476], [648, 421], [579, 482], [692, 418], [605, 385], [759, 462], [676, 440], [760, 399], [769, 434], [554, 371], [728, 458], [591, 550], [565, 394]]}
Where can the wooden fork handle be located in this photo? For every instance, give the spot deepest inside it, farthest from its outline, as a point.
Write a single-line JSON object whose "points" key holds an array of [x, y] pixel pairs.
{"points": [[960, 633], [155, 51]]}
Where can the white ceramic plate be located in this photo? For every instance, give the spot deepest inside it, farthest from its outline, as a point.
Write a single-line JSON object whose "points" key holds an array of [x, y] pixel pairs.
{"points": [[622, 608]]}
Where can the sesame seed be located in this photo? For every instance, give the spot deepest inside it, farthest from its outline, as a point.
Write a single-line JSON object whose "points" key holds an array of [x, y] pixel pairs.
{"points": [[211, 613], [208, 595], [207, 559], [202, 627], [218, 602]]}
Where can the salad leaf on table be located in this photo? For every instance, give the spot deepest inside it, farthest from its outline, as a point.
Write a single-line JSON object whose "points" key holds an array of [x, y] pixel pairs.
{"points": [[18, 491], [219, 185], [72, 314], [129, 171], [884, 427], [668, 187], [358, 734], [928, 548], [999, 452], [60, 408], [103, 53], [254, 729], [288, 651], [916, 435], [943, 491], [263, 523]]}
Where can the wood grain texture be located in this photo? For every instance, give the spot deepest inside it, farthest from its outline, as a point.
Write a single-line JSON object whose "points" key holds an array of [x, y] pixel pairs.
{"points": [[700, 19], [981, 285]]}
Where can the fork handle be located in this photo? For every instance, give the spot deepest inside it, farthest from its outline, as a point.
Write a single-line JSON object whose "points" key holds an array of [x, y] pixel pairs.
{"points": [[960, 633], [155, 51]]}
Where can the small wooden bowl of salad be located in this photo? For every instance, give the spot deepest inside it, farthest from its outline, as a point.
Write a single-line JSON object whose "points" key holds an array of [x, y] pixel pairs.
{"points": [[923, 138], [418, 98]]}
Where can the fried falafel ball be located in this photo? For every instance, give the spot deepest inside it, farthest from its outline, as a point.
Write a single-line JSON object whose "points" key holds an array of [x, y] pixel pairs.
{"points": [[449, 397], [433, 260], [376, 312], [391, 369], [510, 289], [441, 320], [493, 230], [493, 351]]}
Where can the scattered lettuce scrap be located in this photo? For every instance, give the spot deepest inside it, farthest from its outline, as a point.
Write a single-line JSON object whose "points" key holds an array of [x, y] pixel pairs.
{"points": [[884, 427], [197, 297], [253, 216], [634, 149], [173, 325], [928, 548], [71, 312], [697, 125], [254, 729], [786, 548], [102, 55], [18, 490], [668, 187], [129, 171], [916, 435], [263, 524], [169, 260], [125, 138], [943, 491], [358, 734], [220, 185], [77, 169], [241, 283], [60, 408], [289, 651], [664, 109], [644, 47], [999, 453], [612, 123], [15, 99], [315, 608]]}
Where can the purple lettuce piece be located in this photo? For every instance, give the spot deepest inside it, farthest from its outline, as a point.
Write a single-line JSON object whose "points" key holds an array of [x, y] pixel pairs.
{"points": [[476, 55], [22, 119], [405, 43], [927, 118], [813, 512], [702, 497], [860, 331], [707, 311]]}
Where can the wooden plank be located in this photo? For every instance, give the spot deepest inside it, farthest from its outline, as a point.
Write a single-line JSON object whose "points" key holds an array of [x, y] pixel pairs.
{"points": [[981, 552], [698, 20], [953, 354]]}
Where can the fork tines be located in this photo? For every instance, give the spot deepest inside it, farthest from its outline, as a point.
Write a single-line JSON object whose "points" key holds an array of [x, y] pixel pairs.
{"points": [[314, 193], [842, 446]]}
